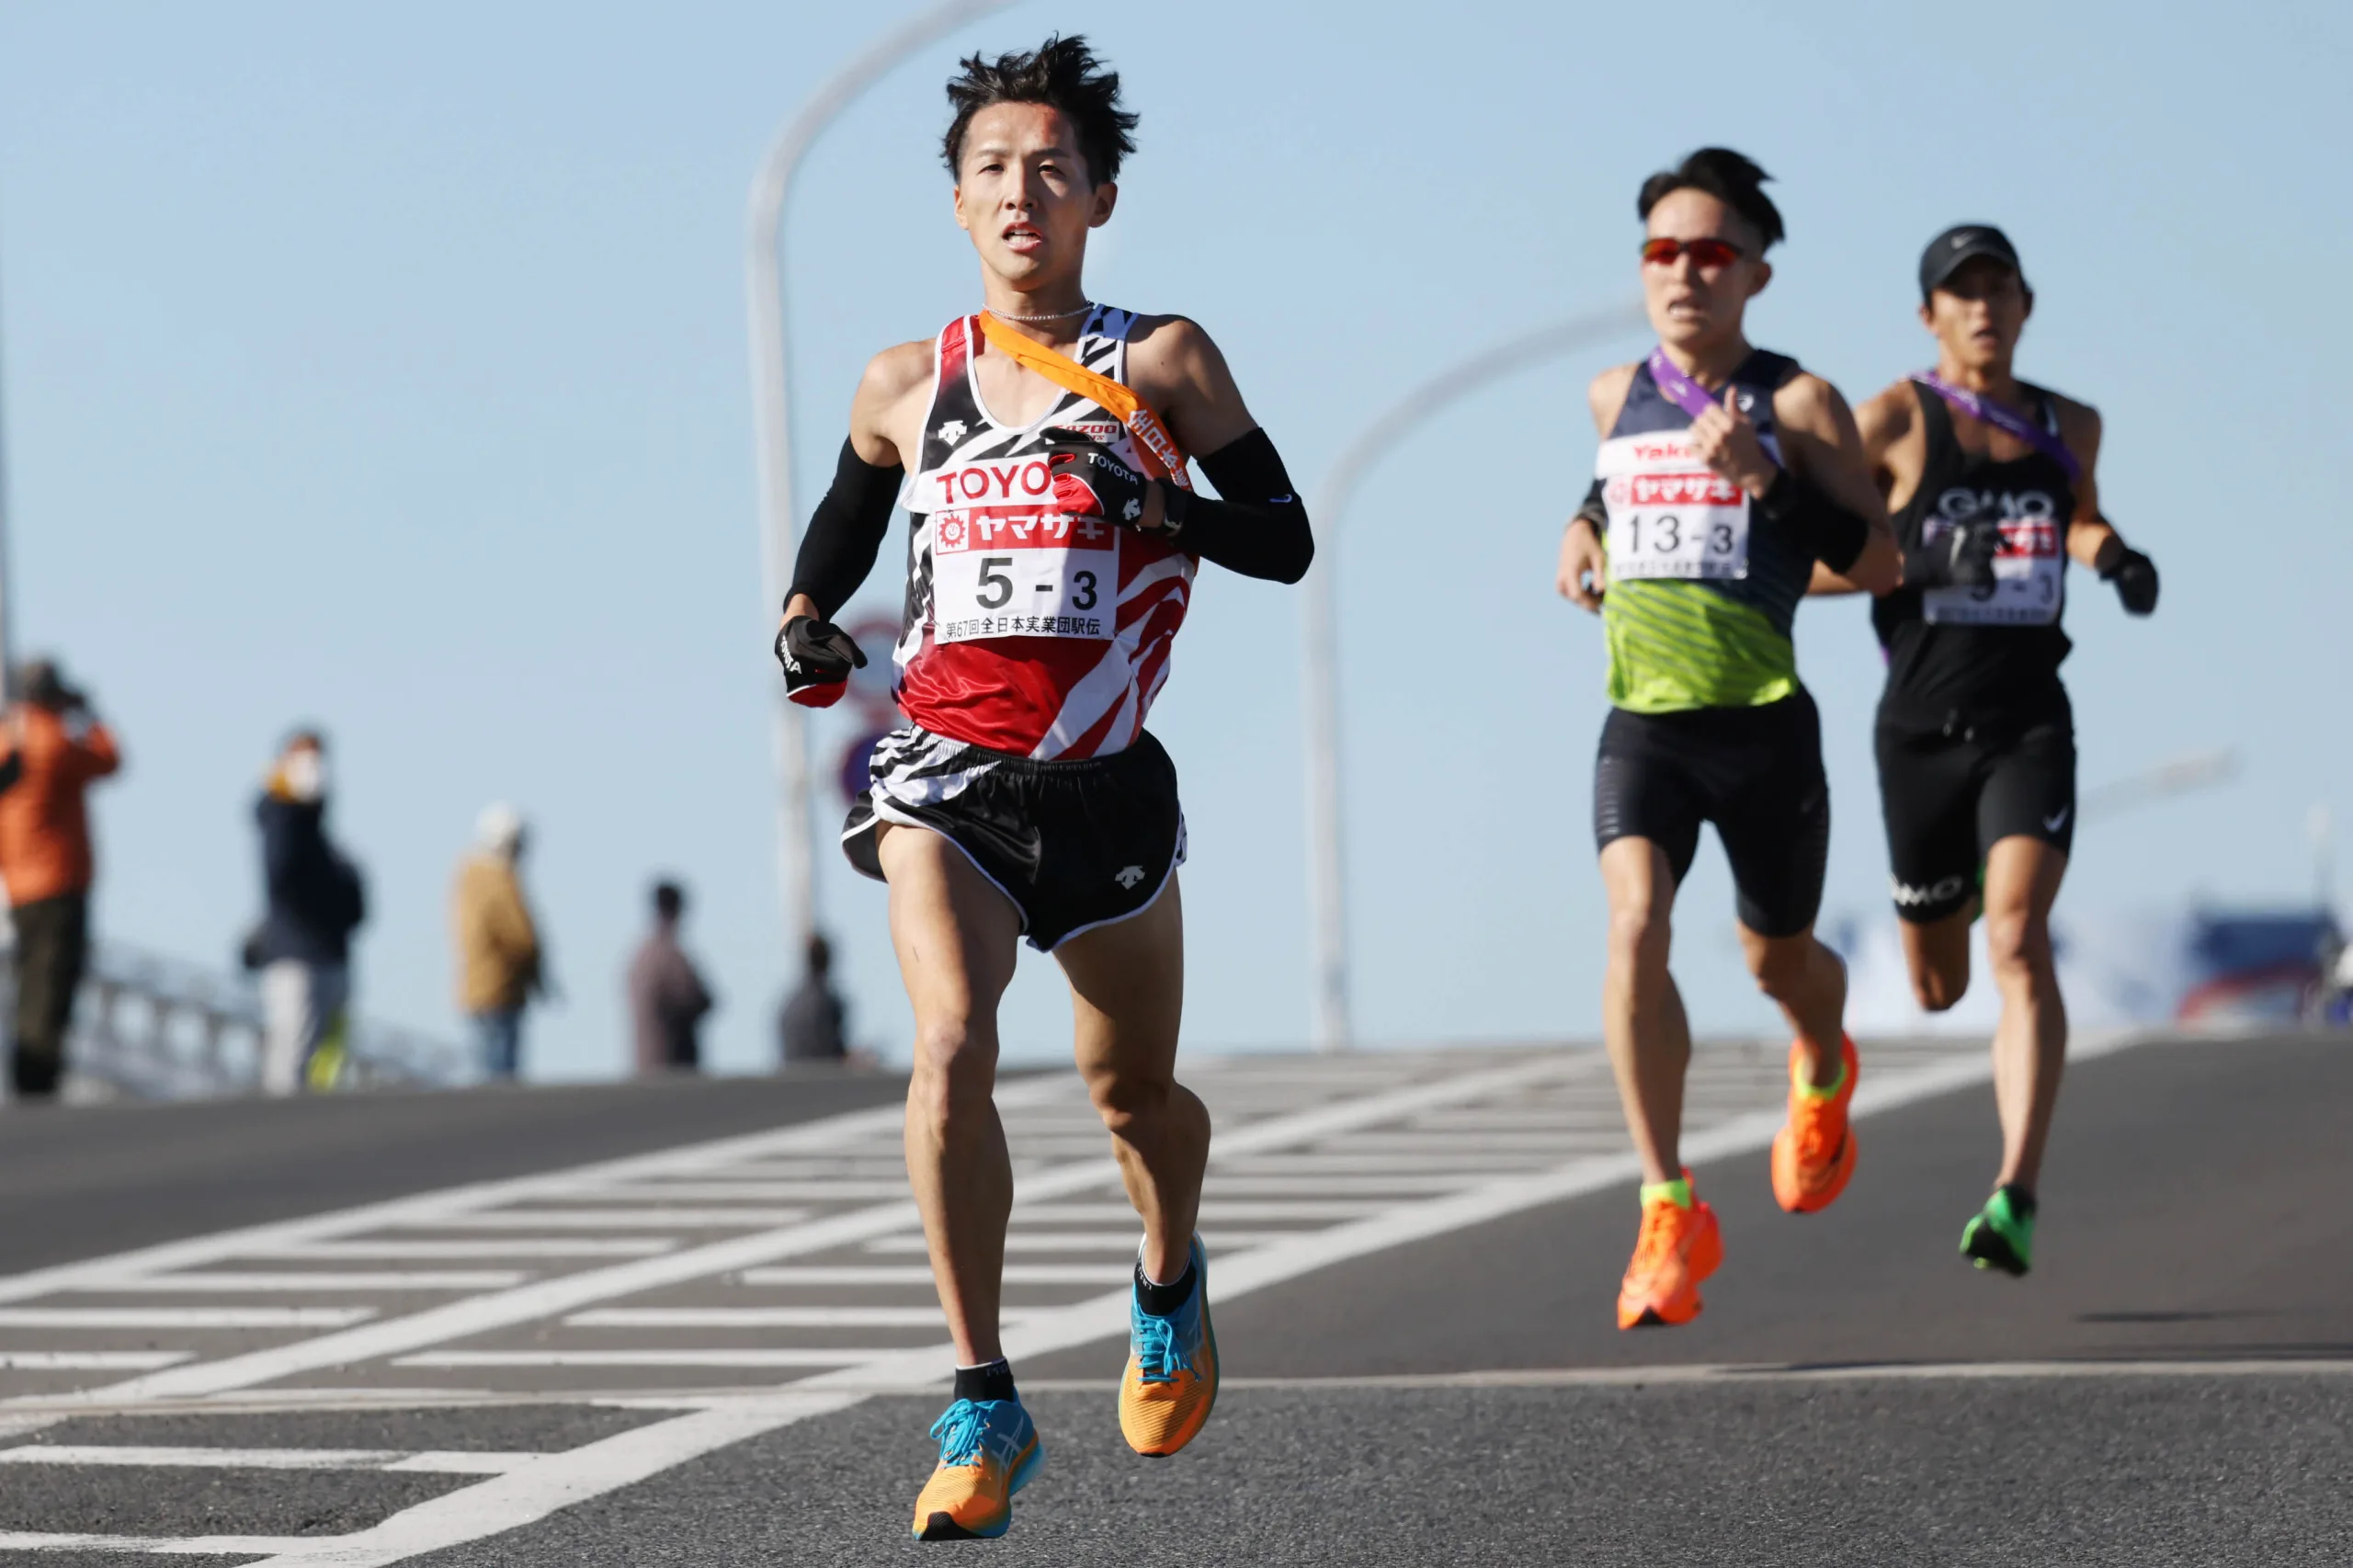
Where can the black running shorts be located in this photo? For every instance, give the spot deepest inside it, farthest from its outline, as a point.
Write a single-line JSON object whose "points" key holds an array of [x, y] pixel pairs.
{"points": [[1754, 772], [1950, 792], [1074, 844]]}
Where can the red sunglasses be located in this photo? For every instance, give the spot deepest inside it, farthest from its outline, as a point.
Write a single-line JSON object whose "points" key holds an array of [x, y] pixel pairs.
{"points": [[1703, 253]]}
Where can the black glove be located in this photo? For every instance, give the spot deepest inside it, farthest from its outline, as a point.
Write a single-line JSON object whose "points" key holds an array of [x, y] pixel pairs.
{"points": [[1090, 482], [1962, 557], [2135, 576], [817, 657]]}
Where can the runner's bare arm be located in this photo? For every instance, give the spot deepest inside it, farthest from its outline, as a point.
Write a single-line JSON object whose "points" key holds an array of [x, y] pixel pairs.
{"points": [[2092, 539], [1889, 427], [1256, 525], [1581, 575], [1180, 372], [1819, 434], [846, 532]]}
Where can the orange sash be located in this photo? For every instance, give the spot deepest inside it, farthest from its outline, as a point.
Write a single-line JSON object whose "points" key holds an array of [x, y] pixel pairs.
{"points": [[1162, 458]]}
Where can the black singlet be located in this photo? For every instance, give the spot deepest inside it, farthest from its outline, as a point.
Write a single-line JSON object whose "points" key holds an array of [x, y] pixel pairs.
{"points": [[1935, 669]]}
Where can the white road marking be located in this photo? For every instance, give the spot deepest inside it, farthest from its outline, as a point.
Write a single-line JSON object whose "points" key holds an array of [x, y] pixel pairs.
{"points": [[791, 1274], [91, 1361], [407, 1460], [1226, 1184], [1124, 1240], [532, 1493], [388, 1251], [1737, 1372], [758, 1317], [646, 1219], [795, 1355], [191, 1546], [253, 1241], [1467, 1161], [548, 1298], [1213, 1209], [183, 1317], [807, 1190], [227, 1283]]}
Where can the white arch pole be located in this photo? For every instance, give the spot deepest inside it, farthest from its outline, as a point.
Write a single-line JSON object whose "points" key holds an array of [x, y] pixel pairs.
{"points": [[1320, 671], [772, 423]]}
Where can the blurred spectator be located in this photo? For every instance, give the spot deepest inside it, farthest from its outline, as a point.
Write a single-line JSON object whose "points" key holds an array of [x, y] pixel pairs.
{"points": [[814, 1023], [315, 902], [666, 996], [500, 966], [55, 747]]}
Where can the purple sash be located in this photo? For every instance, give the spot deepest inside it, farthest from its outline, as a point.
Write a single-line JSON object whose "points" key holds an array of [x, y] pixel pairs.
{"points": [[1679, 388], [2007, 420], [1695, 400]]}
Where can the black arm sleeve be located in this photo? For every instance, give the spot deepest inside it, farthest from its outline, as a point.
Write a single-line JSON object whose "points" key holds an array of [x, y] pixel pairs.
{"points": [[845, 531], [1593, 509], [1836, 535], [1260, 525]]}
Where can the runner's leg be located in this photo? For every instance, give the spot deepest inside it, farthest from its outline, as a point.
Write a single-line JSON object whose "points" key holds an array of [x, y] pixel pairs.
{"points": [[1126, 986], [1808, 983], [956, 938], [2022, 877], [1937, 953], [1642, 1022]]}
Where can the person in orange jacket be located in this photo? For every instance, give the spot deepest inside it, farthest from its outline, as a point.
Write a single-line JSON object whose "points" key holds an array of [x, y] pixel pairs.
{"points": [[55, 748]]}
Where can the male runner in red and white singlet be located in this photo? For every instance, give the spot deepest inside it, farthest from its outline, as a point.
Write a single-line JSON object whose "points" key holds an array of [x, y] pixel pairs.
{"points": [[1053, 542]]}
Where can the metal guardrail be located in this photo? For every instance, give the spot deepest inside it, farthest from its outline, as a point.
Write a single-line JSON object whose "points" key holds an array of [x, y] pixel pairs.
{"points": [[152, 1028]]}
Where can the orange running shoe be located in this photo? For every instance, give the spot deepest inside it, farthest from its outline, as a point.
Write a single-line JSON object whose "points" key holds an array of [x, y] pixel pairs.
{"points": [[1814, 1154], [1171, 1381], [1678, 1247]]}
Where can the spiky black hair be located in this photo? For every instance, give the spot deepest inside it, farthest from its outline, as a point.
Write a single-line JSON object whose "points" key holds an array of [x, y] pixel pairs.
{"points": [[1064, 73]]}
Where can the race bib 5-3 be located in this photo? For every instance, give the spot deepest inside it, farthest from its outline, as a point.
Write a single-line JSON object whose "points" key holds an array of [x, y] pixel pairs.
{"points": [[1005, 571]]}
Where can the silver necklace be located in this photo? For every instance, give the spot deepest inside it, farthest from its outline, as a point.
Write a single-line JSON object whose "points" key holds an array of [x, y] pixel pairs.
{"points": [[1051, 315]]}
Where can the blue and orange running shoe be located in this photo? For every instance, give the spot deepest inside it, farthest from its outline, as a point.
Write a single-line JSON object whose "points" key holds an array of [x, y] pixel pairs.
{"points": [[988, 1450], [1171, 1381]]}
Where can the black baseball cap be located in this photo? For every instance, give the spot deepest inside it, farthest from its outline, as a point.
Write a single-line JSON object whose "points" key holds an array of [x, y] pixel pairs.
{"points": [[1962, 243]]}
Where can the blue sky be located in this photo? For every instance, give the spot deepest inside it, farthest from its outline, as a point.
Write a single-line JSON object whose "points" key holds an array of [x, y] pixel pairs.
{"points": [[387, 367]]}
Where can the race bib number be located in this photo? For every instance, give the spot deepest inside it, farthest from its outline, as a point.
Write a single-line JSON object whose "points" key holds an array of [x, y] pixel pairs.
{"points": [[1006, 571], [1669, 515], [2027, 578]]}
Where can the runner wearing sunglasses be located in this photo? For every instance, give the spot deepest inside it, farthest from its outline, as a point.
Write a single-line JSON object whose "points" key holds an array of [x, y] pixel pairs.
{"points": [[1054, 542], [1990, 480], [1730, 483]]}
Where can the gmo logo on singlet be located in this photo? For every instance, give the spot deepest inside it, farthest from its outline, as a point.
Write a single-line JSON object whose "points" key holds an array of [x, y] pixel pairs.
{"points": [[1959, 504]]}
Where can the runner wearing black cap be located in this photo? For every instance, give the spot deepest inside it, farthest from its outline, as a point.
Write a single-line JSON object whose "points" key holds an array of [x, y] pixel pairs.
{"points": [[1990, 482]]}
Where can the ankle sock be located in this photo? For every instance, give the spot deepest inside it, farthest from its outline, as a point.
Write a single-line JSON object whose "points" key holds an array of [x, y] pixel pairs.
{"points": [[1829, 1090], [1677, 1191], [1163, 1301], [2021, 1200], [990, 1380]]}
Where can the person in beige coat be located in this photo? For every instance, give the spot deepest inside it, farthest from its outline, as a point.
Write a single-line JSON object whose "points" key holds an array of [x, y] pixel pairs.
{"points": [[500, 965]]}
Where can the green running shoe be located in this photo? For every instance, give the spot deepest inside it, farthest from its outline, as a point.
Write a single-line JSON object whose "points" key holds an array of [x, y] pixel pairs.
{"points": [[2001, 1236]]}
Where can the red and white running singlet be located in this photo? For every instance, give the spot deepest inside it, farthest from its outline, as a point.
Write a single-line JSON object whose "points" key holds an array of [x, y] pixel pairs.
{"points": [[1028, 629]]}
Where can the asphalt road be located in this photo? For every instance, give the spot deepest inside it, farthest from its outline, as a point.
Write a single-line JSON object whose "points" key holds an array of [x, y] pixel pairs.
{"points": [[75, 1181], [2172, 1385]]}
